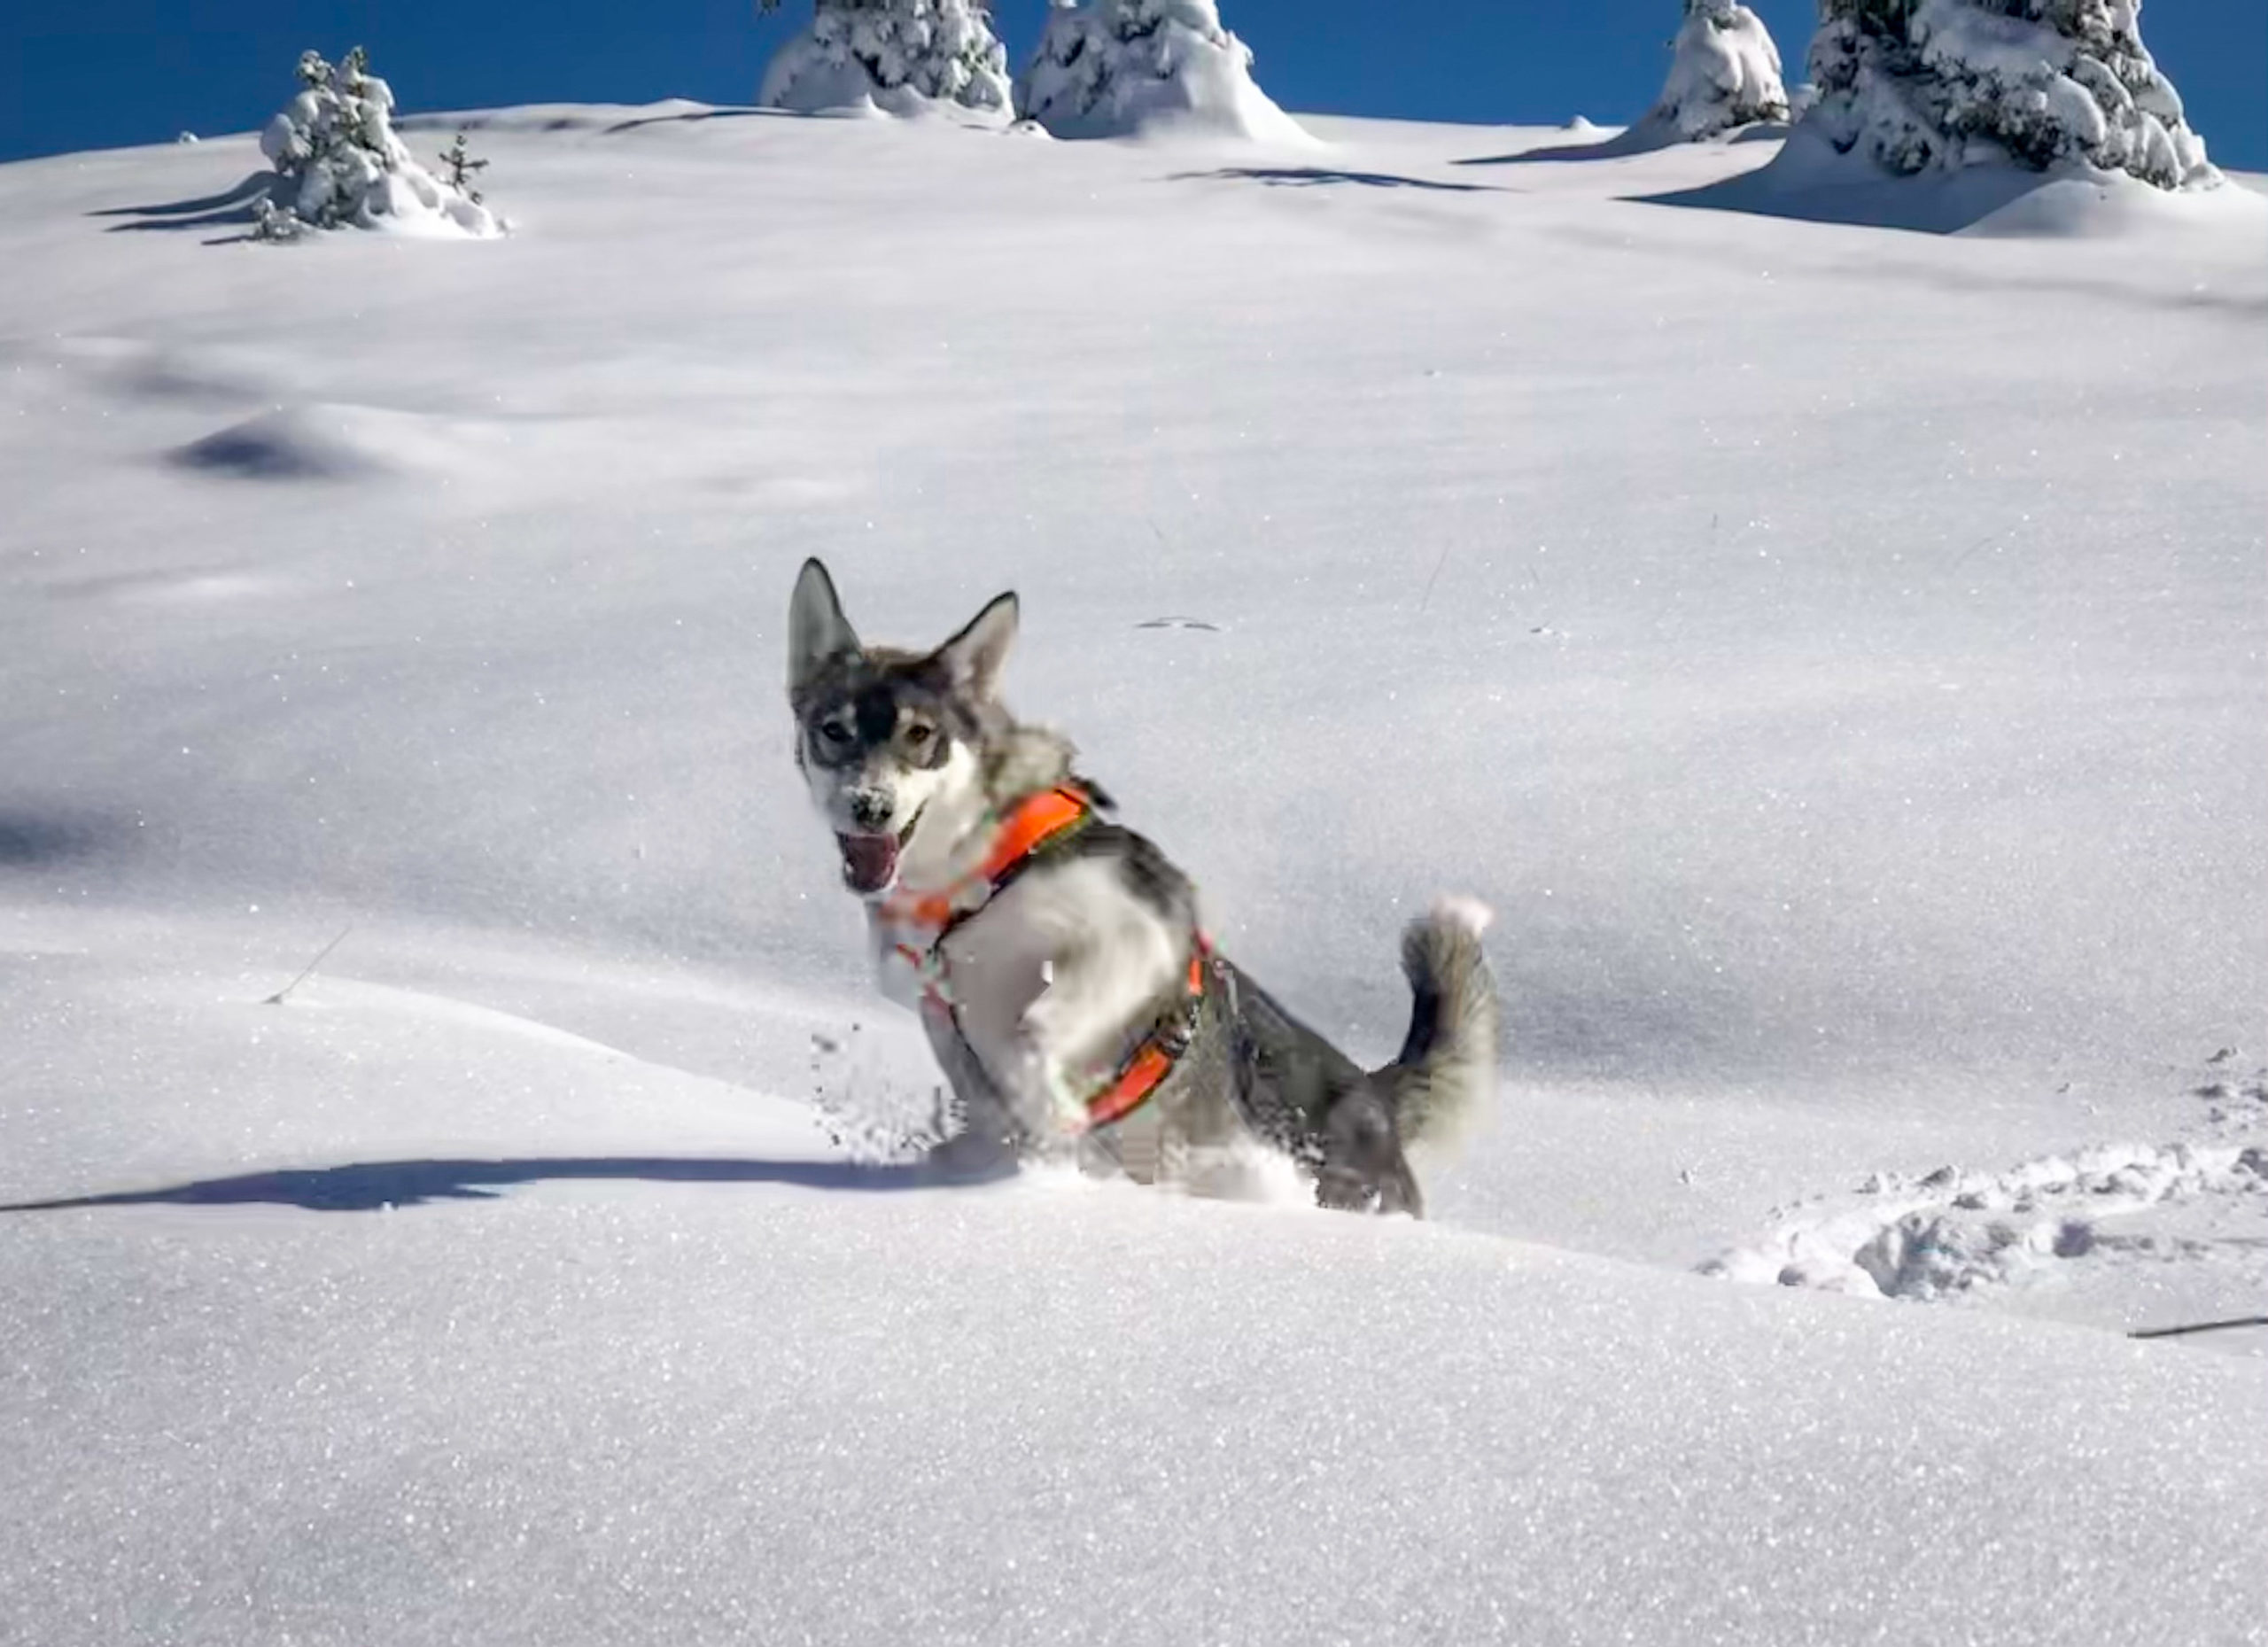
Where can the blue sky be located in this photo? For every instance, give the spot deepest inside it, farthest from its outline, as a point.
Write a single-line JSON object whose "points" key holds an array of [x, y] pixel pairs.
{"points": [[100, 73]]}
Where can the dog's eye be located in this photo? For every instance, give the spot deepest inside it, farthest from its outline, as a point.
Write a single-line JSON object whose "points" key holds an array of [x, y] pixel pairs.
{"points": [[918, 736], [835, 732]]}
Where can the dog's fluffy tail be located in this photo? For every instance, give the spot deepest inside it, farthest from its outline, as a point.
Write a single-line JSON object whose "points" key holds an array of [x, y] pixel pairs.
{"points": [[1443, 1082]]}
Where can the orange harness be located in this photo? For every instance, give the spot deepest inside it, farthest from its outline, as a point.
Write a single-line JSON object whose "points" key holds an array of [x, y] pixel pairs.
{"points": [[1037, 823]]}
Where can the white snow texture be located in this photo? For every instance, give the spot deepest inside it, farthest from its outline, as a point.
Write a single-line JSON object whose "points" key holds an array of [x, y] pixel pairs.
{"points": [[1919, 85], [1845, 687], [1113, 68], [1949, 1232], [896, 56], [1724, 72], [339, 164]]}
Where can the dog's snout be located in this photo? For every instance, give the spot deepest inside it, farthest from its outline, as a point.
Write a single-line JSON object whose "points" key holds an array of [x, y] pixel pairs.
{"points": [[870, 809]]}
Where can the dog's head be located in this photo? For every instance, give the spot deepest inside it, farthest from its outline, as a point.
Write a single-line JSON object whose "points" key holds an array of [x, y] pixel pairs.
{"points": [[887, 739]]}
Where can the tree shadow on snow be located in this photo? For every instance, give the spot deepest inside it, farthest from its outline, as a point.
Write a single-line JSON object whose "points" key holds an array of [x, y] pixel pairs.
{"points": [[230, 208], [694, 116], [1809, 180], [1927, 206], [1645, 137], [1312, 176], [373, 1186]]}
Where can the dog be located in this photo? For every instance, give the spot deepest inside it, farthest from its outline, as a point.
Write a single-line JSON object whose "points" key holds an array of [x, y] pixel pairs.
{"points": [[1069, 992]]}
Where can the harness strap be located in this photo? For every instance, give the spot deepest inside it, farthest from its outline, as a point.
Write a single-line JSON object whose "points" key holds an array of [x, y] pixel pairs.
{"points": [[1037, 823], [1153, 1060]]}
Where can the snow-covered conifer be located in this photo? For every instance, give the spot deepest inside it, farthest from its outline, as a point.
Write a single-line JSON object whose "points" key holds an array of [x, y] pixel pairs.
{"points": [[1725, 73], [1106, 68], [896, 54], [337, 161], [1922, 84]]}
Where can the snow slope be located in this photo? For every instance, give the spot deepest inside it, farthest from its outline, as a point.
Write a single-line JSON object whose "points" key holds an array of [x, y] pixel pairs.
{"points": [[1836, 653]]}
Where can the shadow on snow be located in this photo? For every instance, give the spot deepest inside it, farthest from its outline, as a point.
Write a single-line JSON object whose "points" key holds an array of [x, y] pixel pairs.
{"points": [[1647, 136], [372, 1186], [230, 208], [1310, 176]]}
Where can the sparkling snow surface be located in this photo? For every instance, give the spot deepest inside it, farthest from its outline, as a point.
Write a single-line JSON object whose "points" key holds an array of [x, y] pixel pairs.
{"points": [[1836, 653]]}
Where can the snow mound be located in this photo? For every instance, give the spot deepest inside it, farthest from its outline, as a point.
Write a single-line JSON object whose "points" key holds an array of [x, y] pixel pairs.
{"points": [[899, 57], [1810, 178], [290, 443], [1116, 68], [334, 442], [2111, 206], [1941, 85]]}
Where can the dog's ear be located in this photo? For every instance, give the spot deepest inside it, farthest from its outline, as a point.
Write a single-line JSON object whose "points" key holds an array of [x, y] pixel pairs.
{"points": [[973, 658], [817, 633]]}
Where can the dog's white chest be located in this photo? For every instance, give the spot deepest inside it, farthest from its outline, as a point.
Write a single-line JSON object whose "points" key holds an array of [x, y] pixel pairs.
{"points": [[989, 971]]}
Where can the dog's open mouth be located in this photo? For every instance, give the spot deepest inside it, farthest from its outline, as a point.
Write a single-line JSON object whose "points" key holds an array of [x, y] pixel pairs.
{"points": [[870, 861]]}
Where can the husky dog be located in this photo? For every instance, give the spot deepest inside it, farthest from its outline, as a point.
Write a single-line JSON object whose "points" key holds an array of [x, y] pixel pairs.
{"points": [[1056, 958]]}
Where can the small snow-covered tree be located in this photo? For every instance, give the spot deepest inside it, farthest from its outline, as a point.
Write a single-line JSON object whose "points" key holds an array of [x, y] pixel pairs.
{"points": [[1724, 72], [1922, 85], [458, 168], [1108, 67], [894, 53], [337, 161]]}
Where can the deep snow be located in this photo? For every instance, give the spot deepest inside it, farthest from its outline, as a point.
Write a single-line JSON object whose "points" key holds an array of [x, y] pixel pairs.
{"points": [[1836, 653]]}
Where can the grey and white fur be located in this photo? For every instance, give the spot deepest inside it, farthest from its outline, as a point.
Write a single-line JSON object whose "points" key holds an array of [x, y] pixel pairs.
{"points": [[1074, 962]]}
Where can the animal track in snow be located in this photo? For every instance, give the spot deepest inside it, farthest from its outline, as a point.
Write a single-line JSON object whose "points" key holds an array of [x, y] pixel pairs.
{"points": [[1950, 1233]]}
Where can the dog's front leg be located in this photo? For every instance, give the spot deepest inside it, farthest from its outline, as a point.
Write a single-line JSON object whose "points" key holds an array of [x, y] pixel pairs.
{"points": [[1095, 996], [987, 1138], [1046, 1112]]}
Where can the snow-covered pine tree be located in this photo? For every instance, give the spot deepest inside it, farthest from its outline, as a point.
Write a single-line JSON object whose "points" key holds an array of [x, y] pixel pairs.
{"points": [[1724, 72], [1108, 67], [1922, 84], [337, 161], [897, 54]]}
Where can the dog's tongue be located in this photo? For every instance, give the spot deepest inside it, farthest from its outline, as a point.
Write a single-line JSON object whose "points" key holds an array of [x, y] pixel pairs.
{"points": [[869, 861]]}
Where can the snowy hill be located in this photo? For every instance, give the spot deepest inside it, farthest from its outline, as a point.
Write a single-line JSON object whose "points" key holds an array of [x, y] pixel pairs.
{"points": [[1835, 652]]}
